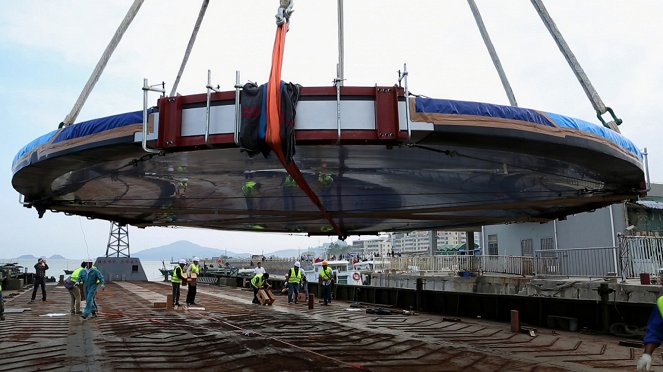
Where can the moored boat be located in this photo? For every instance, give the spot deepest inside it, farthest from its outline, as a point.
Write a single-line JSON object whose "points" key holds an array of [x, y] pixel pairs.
{"points": [[342, 270]]}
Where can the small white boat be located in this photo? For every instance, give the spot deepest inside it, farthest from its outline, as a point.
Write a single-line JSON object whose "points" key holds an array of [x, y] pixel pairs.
{"points": [[342, 270]]}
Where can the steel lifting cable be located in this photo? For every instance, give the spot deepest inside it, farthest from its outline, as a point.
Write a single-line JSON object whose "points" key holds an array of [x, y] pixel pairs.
{"points": [[94, 77], [591, 93], [189, 47], [273, 137], [492, 52]]}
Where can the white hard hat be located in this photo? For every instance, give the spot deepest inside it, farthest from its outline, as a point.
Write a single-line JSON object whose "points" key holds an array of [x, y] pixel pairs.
{"points": [[183, 261], [298, 264], [196, 259], [88, 260]]}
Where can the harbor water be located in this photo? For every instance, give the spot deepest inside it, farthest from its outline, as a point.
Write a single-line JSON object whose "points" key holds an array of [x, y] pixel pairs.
{"points": [[57, 267]]}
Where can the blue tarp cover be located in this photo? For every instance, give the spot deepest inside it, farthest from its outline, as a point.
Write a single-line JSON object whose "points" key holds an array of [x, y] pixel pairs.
{"points": [[82, 129], [447, 106]]}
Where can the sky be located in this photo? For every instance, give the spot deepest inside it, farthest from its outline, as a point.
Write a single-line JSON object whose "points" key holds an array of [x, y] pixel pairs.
{"points": [[48, 49]]}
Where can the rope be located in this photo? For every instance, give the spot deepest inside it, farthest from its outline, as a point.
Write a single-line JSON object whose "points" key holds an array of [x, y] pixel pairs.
{"points": [[273, 137], [591, 93], [189, 47], [92, 81], [493, 53]]}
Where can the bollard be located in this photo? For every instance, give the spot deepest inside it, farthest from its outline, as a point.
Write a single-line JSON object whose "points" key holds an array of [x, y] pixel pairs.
{"points": [[169, 302], [419, 293], [61, 279], [311, 299], [515, 321]]}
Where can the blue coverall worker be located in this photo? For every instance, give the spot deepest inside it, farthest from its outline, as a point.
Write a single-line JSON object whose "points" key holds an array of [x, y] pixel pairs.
{"points": [[91, 278], [258, 281], [194, 268], [294, 277], [176, 280], [653, 336]]}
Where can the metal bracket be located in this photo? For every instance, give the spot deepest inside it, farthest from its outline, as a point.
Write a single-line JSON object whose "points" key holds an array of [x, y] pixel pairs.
{"points": [[210, 88], [402, 76], [146, 89], [338, 82], [238, 108]]}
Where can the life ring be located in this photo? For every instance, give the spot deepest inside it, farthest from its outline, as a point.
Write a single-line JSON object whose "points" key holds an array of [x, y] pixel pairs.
{"points": [[355, 276]]}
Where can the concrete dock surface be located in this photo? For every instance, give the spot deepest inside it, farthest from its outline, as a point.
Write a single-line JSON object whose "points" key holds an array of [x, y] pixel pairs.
{"points": [[226, 332]]}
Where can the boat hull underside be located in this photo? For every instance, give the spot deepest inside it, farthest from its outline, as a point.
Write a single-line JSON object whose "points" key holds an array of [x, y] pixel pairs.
{"points": [[444, 183]]}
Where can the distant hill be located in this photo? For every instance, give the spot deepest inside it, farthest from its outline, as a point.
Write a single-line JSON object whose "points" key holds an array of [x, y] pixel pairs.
{"points": [[184, 249], [27, 257], [57, 257], [330, 248]]}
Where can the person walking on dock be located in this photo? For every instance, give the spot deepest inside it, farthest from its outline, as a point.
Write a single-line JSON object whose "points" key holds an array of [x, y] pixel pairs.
{"points": [[91, 278], [653, 336], [257, 282], [259, 269], [194, 270], [293, 278], [40, 279], [75, 291], [176, 280], [325, 279]]}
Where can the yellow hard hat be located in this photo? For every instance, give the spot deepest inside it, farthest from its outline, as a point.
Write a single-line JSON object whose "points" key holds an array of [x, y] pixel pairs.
{"points": [[324, 263]]}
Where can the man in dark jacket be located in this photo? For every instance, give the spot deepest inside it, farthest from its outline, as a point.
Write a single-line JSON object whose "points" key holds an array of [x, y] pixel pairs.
{"points": [[40, 279]]}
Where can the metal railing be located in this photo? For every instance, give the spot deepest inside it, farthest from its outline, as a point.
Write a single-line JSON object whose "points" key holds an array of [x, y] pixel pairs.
{"points": [[640, 254], [582, 262], [514, 265]]}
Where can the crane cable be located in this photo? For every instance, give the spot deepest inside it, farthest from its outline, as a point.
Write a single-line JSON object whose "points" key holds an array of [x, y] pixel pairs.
{"points": [[189, 47], [272, 135], [587, 86], [94, 77], [493, 53]]}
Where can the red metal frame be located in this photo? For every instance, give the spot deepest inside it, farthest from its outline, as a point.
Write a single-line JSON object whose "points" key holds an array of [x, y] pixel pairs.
{"points": [[386, 117]]}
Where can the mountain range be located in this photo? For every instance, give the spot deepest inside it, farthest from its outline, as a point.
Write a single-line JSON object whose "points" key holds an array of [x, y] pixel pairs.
{"points": [[187, 249], [184, 249]]}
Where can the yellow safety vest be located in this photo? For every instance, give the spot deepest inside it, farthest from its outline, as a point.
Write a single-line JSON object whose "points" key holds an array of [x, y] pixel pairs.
{"points": [[174, 278], [194, 268], [326, 274], [292, 278], [249, 188], [76, 275], [257, 281], [659, 304]]}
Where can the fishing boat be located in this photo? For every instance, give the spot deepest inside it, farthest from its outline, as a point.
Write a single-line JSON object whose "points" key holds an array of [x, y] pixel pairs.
{"points": [[11, 269]]}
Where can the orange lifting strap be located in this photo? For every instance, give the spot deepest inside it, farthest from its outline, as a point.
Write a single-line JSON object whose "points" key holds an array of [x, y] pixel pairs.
{"points": [[273, 137]]}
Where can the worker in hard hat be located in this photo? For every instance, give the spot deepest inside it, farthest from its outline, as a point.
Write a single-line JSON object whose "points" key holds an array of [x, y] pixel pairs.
{"points": [[653, 333], [325, 279], [75, 291], [293, 278], [257, 282], [194, 271], [91, 278], [176, 279]]}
